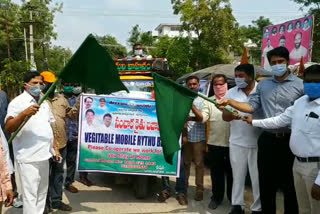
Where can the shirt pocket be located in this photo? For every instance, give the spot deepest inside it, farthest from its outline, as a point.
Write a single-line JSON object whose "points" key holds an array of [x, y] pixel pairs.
{"points": [[310, 125]]}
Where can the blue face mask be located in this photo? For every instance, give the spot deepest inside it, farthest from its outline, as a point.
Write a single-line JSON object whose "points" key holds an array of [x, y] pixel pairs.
{"points": [[279, 70], [312, 90], [35, 90], [241, 82]]}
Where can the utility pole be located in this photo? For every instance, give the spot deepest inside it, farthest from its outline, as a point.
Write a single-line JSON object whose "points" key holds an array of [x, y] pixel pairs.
{"points": [[33, 64], [25, 43]]}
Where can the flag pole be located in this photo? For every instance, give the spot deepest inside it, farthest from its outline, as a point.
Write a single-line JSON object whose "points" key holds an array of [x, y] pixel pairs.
{"points": [[227, 108], [43, 98]]}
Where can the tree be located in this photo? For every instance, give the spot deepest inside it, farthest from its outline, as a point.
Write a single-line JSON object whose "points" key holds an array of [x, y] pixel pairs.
{"points": [[314, 6], [144, 38], [216, 29], [254, 33], [178, 55], [116, 50]]}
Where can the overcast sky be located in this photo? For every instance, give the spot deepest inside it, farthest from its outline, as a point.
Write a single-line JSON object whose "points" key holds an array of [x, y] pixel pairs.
{"points": [[116, 17]]}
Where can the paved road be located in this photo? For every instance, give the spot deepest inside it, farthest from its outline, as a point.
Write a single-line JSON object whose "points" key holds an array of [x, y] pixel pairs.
{"points": [[108, 197]]}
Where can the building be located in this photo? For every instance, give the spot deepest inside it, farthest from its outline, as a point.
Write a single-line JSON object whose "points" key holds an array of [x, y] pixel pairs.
{"points": [[172, 30]]}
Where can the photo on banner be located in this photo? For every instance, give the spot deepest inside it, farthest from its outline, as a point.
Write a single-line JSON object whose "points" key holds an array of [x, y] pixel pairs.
{"points": [[121, 135], [295, 35]]}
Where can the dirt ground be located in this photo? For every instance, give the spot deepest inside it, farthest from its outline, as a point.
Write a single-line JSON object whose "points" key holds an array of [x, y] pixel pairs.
{"points": [[108, 197]]}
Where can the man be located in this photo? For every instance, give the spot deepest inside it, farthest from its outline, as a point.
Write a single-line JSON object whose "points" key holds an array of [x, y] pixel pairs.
{"points": [[72, 144], [218, 143], [306, 25], [297, 26], [137, 50], [243, 142], [299, 51], [88, 101], [274, 31], [102, 104], [290, 27], [266, 64], [61, 110], [34, 143], [282, 41], [275, 159], [282, 29], [194, 148], [303, 117], [107, 120]]}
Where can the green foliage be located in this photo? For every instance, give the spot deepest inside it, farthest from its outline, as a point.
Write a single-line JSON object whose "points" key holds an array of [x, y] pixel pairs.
{"points": [[116, 50], [144, 38], [12, 76], [215, 26], [178, 55]]}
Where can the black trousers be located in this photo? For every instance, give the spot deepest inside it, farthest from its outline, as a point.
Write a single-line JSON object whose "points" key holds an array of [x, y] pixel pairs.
{"points": [[71, 159], [275, 161], [221, 172]]}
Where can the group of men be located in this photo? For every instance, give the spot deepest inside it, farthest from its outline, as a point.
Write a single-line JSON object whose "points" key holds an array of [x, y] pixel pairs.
{"points": [[282, 106], [45, 143]]}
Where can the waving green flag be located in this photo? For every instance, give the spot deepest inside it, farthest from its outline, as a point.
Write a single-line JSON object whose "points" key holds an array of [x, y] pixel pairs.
{"points": [[92, 66], [173, 104]]}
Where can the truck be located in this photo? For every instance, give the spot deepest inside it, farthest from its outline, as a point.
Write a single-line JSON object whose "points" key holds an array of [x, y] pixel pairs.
{"points": [[136, 74]]}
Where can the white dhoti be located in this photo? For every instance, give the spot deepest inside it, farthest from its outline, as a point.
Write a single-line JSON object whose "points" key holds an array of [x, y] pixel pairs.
{"points": [[34, 178], [242, 158]]}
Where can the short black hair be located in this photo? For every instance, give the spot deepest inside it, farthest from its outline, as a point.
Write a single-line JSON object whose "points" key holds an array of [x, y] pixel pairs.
{"points": [[85, 99], [136, 44], [191, 78], [312, 69], [107, 115], [280, 52], [102, 99], [219, 76], [90, 110], [306, 19], [29, 76], [282, 37], [246, 68]]}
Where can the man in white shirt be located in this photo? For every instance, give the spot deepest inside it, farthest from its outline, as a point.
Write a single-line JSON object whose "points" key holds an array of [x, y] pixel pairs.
{"points": [[33, 146], [266, 64], [218, 143], [243, 142], [303, 117]]}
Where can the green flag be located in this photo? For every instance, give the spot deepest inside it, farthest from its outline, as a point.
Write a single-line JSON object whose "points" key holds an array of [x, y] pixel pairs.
{"points": [[173, 104], [92, 66]]}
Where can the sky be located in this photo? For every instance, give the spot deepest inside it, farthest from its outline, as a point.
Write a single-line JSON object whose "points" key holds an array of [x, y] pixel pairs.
{"points": [[117, 17]]}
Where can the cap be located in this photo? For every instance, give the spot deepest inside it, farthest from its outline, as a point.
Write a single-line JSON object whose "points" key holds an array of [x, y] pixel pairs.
{"points": [[48, 76]]}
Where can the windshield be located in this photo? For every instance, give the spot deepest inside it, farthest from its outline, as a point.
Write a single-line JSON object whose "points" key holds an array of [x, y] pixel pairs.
{"points": [[139, 85]]}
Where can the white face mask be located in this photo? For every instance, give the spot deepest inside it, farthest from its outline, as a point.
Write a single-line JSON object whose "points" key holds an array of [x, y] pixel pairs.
{"points": [[77, 90], [138, 52], [279, 70]]}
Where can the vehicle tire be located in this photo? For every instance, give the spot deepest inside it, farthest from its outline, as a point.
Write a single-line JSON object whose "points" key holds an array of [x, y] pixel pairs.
{"points": [[140, 186]]}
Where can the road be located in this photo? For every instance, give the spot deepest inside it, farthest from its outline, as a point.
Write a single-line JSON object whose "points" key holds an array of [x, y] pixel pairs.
{"points": [[108, 197]]}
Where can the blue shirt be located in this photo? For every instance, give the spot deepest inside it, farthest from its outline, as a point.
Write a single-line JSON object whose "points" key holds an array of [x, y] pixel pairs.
{"points": [[196, 130], [274, 97], [72, 126]]}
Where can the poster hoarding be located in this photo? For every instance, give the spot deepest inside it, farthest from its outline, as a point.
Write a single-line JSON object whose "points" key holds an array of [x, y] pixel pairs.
{"points": [[295, 35], [121, 135]]}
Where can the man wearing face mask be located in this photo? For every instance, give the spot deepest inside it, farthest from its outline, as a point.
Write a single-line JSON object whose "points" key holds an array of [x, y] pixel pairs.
{"points": [[243, 142], [137, 52], [33, 146], [61, 111], [275, 159], [218, 143], [303, 117]]}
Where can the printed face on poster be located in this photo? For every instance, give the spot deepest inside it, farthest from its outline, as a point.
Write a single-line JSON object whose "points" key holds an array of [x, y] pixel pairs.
{"points": [[295, 35], [121, 135]]}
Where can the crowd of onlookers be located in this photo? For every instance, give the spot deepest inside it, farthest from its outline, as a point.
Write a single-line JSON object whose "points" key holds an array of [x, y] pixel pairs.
{"points": [[269, 129], [271, 132]]}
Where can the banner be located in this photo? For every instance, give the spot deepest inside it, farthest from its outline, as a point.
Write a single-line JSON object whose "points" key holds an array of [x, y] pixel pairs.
{"points": [[295, 35], [121, 135]]}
